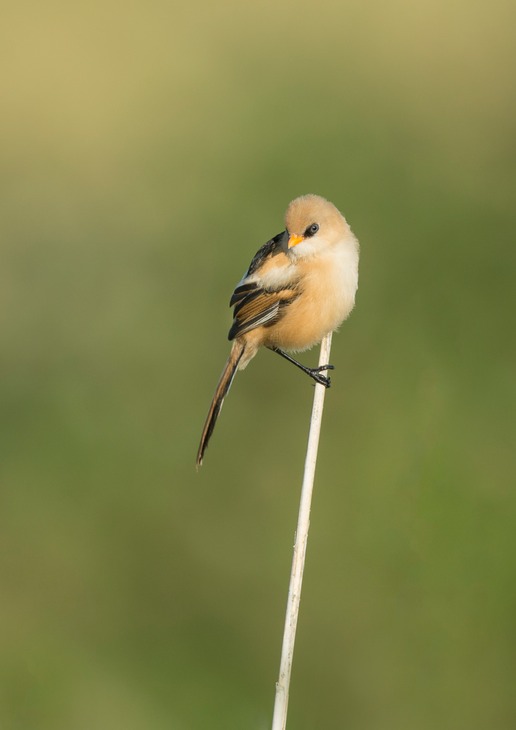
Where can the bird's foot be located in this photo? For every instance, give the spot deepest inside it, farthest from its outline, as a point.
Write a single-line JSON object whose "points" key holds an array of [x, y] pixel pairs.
{"points": [[315, 373]]}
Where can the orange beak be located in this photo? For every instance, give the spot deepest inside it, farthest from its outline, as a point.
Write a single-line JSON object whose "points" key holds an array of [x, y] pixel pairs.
{"points": [[294, 240]]}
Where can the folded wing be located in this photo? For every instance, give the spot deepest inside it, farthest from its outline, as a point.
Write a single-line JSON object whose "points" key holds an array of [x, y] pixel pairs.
{"points": [[260, 307], [262, 296]]}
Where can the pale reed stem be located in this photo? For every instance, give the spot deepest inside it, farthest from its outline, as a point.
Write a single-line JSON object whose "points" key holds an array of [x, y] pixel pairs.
{"points": [[279, 720]]}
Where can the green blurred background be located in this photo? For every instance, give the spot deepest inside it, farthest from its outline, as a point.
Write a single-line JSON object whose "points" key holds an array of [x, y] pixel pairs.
{"points": [[147, 151]]}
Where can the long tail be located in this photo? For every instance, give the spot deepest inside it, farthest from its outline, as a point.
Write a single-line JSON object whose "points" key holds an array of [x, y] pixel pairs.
{"points": [[218, 399]]}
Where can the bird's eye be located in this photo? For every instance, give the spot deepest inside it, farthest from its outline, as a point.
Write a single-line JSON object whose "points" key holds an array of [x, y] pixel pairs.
{"points": [[311, 230]]}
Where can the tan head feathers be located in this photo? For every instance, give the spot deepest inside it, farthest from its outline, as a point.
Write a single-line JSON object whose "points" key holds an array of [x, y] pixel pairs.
{"points": [[311, 210]]}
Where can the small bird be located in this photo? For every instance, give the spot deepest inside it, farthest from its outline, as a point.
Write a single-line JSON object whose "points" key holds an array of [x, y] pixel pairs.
{"points": [[300, 286]]}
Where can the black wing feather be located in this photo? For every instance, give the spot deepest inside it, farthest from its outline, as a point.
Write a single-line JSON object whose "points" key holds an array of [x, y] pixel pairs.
{"points": [[268, 249], [246, 292], [242, 291]]}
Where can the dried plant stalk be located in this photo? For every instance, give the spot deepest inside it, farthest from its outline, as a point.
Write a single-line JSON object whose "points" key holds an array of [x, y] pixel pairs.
{"points": [[279, 720]]}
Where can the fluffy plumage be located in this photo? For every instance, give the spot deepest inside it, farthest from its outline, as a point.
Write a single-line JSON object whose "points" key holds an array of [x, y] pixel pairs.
{"points": [[300, 285]]}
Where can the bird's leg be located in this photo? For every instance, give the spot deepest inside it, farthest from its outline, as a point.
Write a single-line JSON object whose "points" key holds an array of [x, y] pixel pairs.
{"points": [[314, 373]]}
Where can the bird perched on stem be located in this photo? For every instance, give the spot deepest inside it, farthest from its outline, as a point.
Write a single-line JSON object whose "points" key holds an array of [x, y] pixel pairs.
{"points": [[300, 286]]}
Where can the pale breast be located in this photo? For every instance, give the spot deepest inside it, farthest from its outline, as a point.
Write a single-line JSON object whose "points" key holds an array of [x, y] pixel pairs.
{"points": [[329, 286]]}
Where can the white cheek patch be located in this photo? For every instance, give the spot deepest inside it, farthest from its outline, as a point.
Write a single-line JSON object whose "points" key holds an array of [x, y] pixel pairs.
{"points": [[308, 247]]}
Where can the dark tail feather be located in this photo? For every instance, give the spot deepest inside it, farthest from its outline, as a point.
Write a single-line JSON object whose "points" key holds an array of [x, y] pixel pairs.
{"points": [[218, 399]]}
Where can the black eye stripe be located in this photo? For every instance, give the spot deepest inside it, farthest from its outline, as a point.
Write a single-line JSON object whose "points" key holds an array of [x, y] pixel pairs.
{"points": [[311, 230]]}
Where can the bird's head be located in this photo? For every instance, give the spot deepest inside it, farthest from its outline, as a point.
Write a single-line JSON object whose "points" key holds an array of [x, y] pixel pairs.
{"points": [[313, 224]]}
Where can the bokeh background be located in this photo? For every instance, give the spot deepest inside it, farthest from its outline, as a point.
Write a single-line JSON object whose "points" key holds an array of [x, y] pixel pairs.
{"points": [[147, 150]]}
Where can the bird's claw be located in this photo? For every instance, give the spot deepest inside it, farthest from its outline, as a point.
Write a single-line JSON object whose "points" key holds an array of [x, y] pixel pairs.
{"points": [[322, 379]]}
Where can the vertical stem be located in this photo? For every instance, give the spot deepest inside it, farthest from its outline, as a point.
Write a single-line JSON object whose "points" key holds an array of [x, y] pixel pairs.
{"points": [[279, 720]]}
